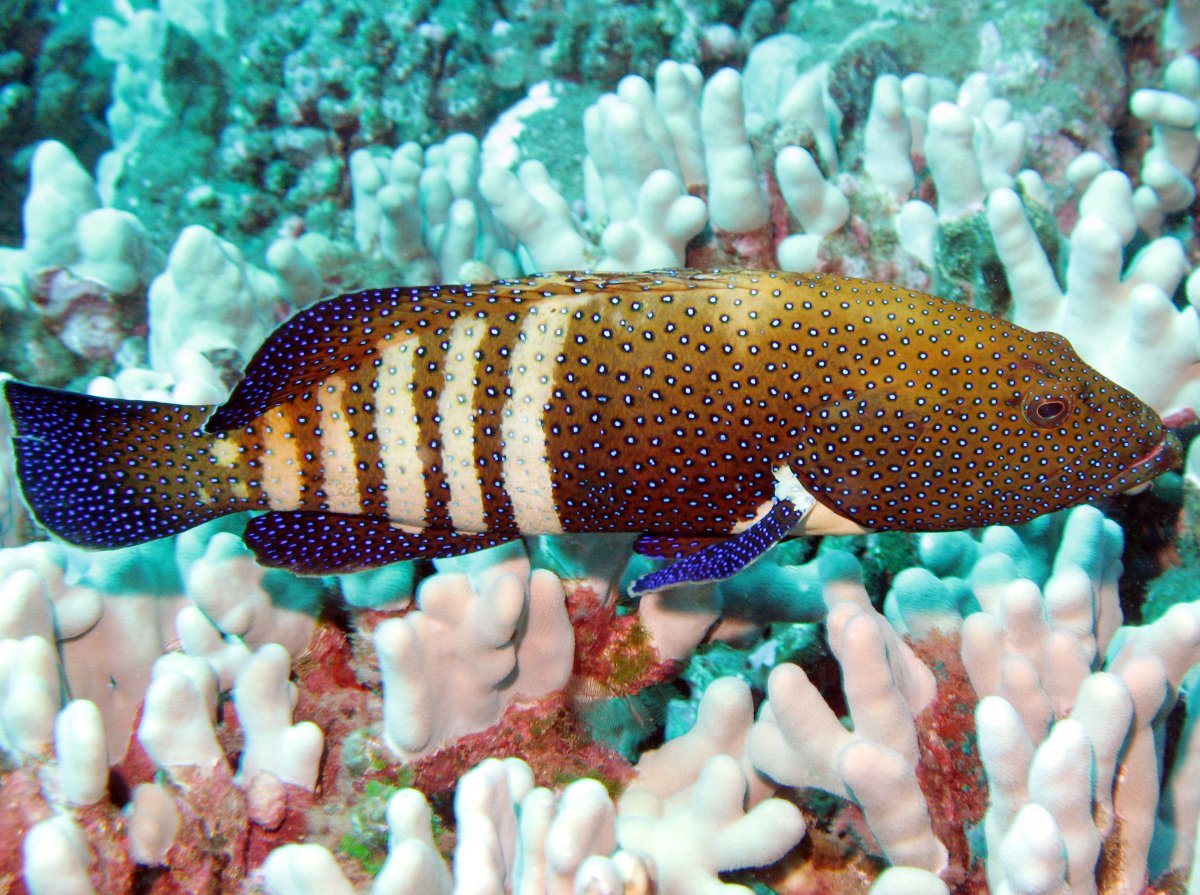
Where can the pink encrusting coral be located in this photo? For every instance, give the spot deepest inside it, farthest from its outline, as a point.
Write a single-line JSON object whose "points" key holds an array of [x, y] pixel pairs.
{"points": [[175, 718]]}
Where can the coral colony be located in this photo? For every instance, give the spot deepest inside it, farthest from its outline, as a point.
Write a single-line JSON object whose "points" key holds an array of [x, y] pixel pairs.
{"points": [[1008, 709]]}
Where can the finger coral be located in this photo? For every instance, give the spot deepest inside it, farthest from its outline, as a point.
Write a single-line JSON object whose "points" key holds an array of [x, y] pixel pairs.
{"points": [[1011, 709]]}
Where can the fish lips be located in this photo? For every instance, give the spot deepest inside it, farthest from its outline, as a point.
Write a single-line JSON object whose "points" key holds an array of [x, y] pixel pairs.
{"points": [[1165, 454]]}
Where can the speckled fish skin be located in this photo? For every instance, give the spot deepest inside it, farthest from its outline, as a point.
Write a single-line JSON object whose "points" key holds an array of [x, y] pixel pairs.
{"points": [[387, 424]]}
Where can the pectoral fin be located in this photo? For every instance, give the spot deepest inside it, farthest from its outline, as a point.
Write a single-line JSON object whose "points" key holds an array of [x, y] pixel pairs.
{"points": [[728, 557]]}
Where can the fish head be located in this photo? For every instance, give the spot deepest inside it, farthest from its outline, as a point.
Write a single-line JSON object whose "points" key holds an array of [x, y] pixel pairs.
{"points": [[1121, 443], [986, 424]]}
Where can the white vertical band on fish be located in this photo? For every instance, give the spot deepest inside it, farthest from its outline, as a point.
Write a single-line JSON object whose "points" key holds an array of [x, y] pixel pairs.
{"points": [[528, 469], [337, 450], [282, 471], [456, 422], [399, 436]]}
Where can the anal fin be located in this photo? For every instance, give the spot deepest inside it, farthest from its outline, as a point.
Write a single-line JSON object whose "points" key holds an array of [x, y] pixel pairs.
{"points": [[319, 543], [671, 546]]}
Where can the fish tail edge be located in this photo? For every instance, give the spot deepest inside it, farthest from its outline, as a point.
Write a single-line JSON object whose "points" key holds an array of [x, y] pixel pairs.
{"points": [[108, 472]]}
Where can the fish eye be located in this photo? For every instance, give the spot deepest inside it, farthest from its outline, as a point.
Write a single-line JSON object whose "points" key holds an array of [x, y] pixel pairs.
{"points": [[1047, 410]]}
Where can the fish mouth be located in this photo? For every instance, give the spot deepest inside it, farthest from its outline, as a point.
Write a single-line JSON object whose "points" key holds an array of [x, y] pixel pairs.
{"points": [[1164, 455]]}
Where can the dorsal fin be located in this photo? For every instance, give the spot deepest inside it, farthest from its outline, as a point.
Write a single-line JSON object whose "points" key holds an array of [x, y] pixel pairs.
{"points": [[336, 334], [341, 333]]}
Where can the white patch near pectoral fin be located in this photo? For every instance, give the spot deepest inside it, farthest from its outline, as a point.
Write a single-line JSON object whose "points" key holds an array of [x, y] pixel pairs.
{"points": [[818, 519], [788, 487]]}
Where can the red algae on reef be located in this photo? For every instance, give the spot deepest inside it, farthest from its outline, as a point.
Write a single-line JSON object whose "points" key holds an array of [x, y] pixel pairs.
{"points": [[340, 691], [547, 735], [614, 654], [949, 770]]}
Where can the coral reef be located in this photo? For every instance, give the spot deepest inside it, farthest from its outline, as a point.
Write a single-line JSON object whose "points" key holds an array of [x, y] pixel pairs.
{"points": [[971, 711]]}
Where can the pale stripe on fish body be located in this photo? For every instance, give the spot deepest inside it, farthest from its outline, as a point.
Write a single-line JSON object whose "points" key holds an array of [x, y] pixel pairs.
{"points": [[713, 412]]}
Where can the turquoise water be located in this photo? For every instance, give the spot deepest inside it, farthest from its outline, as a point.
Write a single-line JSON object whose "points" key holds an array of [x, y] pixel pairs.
{"points": [[179, 179]]}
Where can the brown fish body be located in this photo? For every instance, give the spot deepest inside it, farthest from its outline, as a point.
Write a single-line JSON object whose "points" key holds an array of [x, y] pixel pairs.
{"points": [[664, 403]]}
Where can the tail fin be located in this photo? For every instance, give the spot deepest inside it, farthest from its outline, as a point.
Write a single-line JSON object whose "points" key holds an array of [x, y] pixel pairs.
{"points": [[102, 472]]}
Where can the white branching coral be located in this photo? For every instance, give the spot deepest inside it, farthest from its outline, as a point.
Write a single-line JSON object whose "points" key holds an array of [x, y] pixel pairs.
{"points": [[1120, 318], [1167, 167], [114, 614], [515, 837], [749, 168], [481, 638], [423, 212], [799, 741], [208, 299]]}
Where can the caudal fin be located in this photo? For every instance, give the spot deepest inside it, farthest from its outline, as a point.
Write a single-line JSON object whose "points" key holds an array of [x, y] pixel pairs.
{"points": [[102, 472]]}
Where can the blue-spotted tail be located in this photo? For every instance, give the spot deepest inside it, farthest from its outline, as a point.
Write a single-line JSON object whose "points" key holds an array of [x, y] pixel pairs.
{"points": [[102, 472]]}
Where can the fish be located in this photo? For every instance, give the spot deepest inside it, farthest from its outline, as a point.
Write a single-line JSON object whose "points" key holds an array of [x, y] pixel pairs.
{"points": [[713, 413]]}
